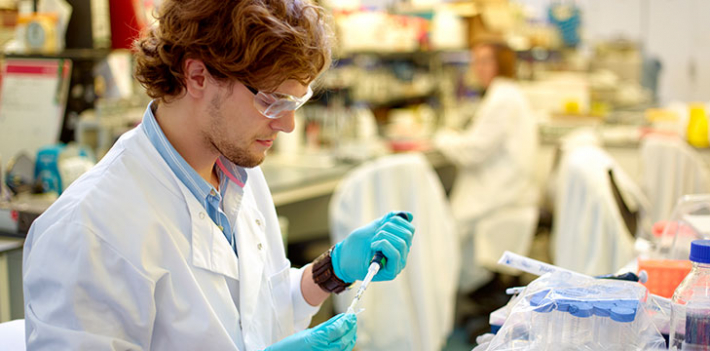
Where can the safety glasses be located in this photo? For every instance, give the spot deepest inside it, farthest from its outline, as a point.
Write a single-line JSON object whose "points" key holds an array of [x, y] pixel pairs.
{"points": [[277, 105]]}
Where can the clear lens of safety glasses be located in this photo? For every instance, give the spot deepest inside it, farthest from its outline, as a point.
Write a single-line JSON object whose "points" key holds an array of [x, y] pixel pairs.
{"points": [[277, 105]]}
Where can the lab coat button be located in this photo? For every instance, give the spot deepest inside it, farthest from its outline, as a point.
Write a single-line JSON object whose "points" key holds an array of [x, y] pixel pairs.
{"points": [[202, 215], [259, 246], [258, 222]]}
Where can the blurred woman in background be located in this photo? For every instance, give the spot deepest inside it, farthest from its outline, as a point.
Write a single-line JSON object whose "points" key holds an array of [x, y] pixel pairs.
{"points": [[495, 195]]}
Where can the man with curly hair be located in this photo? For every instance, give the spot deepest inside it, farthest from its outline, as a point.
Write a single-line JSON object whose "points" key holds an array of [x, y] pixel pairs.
{"points": [[172, 242]]}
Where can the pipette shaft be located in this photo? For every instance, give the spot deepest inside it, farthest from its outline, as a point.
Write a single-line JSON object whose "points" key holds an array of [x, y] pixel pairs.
{"points": [[371, 272]]}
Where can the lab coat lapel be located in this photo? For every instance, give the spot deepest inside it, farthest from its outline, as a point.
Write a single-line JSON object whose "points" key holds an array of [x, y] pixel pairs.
{"points": [[210, 248]]}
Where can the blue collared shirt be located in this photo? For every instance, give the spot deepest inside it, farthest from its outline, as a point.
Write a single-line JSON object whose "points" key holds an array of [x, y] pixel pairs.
{"points": [[212, 199]]}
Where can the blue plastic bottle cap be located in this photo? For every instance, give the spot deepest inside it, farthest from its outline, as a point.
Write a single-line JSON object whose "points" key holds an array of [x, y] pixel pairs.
{"points": [[623, 314], [563, 304], [603, 308], [700, 251], [539, 298], [581, 309], [632, 304]]}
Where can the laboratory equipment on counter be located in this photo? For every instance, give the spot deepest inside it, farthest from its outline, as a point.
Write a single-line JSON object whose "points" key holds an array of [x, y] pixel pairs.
{"points": [[57, 166], [688, 222], [664, 276], [658, 307], [690, 309], [560, 311], [20, 173], [697, 132]]}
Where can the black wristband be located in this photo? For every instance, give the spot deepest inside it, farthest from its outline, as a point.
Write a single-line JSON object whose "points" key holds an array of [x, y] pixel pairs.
{"points": [[324, 275]]}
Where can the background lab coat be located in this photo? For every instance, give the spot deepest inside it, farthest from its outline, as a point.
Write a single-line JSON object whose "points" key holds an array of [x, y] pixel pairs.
{"points": [[671, 169], [414, 312], [589, 234], [496, 172], [127, 258]]}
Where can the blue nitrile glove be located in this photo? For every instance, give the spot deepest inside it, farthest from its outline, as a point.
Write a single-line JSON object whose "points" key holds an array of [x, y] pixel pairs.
{"points": [[391, 235], [336, 334]]}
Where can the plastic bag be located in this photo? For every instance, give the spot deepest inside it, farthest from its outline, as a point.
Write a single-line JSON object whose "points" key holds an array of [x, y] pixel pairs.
{"points": [[561, 311], [690, 221]]}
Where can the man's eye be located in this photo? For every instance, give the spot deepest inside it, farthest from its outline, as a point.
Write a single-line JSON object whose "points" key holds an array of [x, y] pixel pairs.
{"points": [[264, 100]]}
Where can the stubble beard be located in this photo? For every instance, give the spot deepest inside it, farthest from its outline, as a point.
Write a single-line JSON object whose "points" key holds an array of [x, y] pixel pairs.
{"points": [[219, 139]]}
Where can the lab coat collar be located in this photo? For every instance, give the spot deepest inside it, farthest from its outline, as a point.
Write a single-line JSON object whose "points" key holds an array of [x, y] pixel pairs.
{"points": [[210, 249]]}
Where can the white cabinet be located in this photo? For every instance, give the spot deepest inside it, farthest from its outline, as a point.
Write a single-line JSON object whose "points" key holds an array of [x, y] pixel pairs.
{"points": [[612, 19], [669, 38]]}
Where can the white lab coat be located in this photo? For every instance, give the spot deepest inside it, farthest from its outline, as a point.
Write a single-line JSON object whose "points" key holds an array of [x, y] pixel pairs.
{"points": [[415, 311], [670, 169], [589, 234], [127, 259], [496, 172]]}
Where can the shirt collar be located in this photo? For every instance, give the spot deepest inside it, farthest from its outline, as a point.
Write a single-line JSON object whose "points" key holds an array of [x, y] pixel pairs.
{"points": [[187, 175]]}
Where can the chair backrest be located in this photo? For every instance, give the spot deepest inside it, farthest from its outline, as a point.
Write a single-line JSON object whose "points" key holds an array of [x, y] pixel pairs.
{"points": [[12, 335], [670, 169], [416, 310], [590, 235]]}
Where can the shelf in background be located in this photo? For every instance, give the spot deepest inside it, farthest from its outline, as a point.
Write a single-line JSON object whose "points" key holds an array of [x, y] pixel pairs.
{"points": [[72, 54], [394, 55]]}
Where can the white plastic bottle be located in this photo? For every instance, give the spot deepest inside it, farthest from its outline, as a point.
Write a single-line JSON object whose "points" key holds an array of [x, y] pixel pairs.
{"points": [[690, 311]]}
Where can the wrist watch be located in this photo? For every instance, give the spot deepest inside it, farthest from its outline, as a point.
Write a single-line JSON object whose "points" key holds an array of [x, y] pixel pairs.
{"points": [[324, 275]]}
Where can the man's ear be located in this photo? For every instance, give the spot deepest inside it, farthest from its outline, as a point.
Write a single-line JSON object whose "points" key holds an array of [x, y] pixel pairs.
{"points": [[196, 76]]}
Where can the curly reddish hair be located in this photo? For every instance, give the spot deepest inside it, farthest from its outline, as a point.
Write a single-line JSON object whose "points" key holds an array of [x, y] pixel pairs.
{"points": [[260, 43]]}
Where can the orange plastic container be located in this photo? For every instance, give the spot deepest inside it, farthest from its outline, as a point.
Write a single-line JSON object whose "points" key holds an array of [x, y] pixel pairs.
{"points": [[664, 276]]}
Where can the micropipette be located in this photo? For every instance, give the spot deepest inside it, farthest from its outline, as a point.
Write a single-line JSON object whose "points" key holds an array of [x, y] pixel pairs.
{"points": [[376, 264], [378, 261]]}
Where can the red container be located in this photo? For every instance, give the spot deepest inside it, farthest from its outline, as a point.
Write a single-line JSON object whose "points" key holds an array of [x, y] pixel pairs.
{"points": [[664, 276]]}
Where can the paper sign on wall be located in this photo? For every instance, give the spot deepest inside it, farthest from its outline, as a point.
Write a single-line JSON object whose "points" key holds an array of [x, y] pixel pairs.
{"points": [[32, 102]]}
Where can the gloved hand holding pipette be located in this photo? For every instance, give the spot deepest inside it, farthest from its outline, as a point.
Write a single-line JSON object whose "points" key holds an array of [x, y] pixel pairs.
{"points": [[391, 235]]}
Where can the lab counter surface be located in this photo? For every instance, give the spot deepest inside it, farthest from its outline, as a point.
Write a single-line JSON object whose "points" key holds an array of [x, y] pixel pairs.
{"points": [[301, 186], [300, 189]]}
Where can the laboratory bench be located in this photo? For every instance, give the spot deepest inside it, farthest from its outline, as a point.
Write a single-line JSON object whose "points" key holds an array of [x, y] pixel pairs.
{"points": [[296, 184]]}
